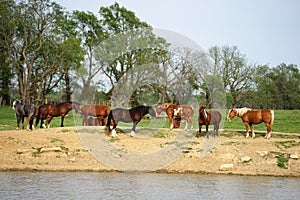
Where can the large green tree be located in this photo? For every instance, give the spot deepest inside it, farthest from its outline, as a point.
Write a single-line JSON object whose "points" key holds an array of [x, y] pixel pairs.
{"points": [[36, 47], [6, 14], [131, 53], [278, 87], [236, 72]]}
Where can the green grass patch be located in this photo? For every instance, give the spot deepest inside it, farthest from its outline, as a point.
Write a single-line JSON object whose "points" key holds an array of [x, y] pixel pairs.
{"points": [[284, 122], [114, 139], [282, 159], [287, 144]]}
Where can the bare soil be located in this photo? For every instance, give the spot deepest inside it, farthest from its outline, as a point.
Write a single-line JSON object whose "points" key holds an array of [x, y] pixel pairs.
{"points": [[64, 149]]}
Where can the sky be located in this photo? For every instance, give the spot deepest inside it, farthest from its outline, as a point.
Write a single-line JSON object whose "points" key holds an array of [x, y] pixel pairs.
{"points": [[265, 31]]}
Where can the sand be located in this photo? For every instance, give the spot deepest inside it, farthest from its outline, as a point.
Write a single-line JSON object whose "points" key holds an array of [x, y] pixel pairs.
{"points": [[85, 149]]}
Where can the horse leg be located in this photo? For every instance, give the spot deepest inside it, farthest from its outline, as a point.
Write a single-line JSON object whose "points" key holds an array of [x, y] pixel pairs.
{"points": [[216, 127], [113, 131], [29, 125], [269, 129], [199, 132], [18, 122], [171, 123], [84, 120], [247, 133], [48, 120], [186, 124], [42, 122], [22, 122], [132, 133], [207, 135], [252, 131], [62, 121]]}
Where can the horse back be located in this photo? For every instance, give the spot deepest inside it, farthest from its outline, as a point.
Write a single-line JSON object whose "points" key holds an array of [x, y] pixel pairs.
{"points": [[215, 116], [258, 116], [187, 110], [121, 114], [95, 110]]}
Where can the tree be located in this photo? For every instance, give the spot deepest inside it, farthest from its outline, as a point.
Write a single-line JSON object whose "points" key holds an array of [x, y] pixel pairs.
{"points": [[36, 48], [87, 27], [234, 70], [6, 14], [130, 54]]}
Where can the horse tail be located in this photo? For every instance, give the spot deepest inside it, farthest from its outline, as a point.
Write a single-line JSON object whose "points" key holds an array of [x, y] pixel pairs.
{"points": [[109, 118], [272, 118]]}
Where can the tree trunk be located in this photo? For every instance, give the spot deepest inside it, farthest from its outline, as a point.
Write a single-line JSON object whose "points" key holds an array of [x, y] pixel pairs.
{"points": [[68, 86]]}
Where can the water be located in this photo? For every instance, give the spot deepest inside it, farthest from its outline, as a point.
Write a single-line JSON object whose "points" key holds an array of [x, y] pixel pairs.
{"points": [[85, 185]]}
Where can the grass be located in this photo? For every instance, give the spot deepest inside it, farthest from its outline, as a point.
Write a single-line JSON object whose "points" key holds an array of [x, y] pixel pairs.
{"points": [[286, 121]]}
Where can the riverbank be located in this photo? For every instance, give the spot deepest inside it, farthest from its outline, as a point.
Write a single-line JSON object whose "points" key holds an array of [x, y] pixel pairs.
{"points": [[64, 149]]}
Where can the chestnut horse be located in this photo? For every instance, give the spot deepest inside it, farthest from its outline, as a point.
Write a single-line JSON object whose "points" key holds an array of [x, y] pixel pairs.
{"points": [[250, 117], [134, 115], [48, 111], [99, 111], [207, 118], [174, 112]]}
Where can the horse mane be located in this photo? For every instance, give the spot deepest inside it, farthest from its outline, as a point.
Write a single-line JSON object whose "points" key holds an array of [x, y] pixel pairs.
{"points": [[241, 111]]}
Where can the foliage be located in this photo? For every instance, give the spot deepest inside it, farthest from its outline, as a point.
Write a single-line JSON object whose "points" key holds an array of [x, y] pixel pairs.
{"points": [[116, 57]]}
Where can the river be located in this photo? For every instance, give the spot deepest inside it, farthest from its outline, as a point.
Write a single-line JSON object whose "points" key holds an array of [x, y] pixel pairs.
{"points": [[92, 185]]}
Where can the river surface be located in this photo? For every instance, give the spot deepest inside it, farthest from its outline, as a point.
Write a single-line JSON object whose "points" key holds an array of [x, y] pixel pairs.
{"points": [[91, 185]]}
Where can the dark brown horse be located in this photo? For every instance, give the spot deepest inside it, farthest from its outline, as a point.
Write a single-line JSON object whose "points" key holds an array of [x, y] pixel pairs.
{"points": [[99, 111], [175, 112], [48, 111], [250, 117], [132, 115], [212, 117]]}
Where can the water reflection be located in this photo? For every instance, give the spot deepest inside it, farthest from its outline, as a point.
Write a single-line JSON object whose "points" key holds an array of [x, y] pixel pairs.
{"points": [[67, 185]]}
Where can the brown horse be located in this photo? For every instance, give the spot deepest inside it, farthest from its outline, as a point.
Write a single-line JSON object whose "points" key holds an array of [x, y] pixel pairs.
{"points": [[250, 117], [174, 112], [48, 111], [206, 118], [99, 111]]}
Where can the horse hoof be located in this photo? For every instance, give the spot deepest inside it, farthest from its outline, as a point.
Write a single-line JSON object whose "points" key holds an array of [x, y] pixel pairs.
{"points": [[114, 133], [132, 133]]}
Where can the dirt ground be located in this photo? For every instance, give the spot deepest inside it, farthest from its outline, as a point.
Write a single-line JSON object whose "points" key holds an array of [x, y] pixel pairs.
{"points": [[65, 149]]}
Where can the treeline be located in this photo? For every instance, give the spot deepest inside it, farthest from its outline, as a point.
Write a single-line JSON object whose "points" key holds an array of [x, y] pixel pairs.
{"points": [[114, 57]]}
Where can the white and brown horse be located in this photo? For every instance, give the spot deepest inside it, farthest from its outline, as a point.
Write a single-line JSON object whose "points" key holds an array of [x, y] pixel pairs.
{"points": [[250, 117], [174, 112]]}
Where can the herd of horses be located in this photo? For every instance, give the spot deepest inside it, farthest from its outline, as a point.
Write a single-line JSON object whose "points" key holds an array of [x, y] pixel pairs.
{"points": [[102, 115]]}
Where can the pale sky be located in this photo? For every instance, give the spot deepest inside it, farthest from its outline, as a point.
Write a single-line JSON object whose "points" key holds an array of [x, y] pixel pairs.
{"points": [[266, 31]]}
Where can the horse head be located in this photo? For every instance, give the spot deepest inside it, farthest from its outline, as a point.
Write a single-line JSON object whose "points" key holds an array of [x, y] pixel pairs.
{"points": [[232, 113], [159, 109], [16, 103], [202, 112], [76, 107]]}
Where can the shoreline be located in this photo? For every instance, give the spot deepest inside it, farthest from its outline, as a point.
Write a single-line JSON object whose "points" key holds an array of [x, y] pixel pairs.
{"points": [[62, 150]]}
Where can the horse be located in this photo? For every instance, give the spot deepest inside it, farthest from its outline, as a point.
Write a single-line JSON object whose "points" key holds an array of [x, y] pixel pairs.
{"points": [[22, 111], [212, 117], [132, 115], [250, 117], [184, 112], [48, 111], [99, 111]]}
